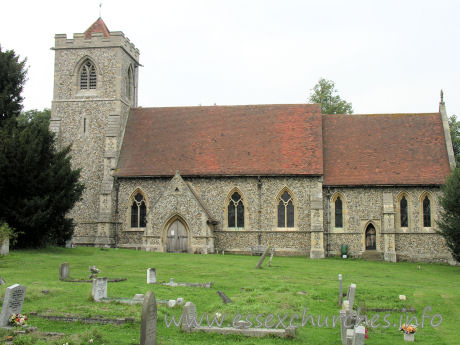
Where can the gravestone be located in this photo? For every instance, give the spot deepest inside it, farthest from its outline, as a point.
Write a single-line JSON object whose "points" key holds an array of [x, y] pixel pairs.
{"points": [[64, 271], [359, 336], [262, 258], [2, 281], [270, 260], [151, 275], [138, 297], [149, 320], [99, 290], [5, 247], [68, 244], [224, 297], [343, 329], [351, 295], [12, 303], [340, 290], [188, 316]]}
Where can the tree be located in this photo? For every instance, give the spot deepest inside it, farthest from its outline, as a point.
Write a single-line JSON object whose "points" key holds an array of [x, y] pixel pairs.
{"points": [[12, 78], [324, 92], [455, 136], [449, 223], [37, 184]]}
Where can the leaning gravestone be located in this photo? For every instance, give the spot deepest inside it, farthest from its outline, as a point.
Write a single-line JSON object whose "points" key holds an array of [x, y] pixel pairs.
{"points": [[262, 258], [151, 276], [99, 290], [64, 271], [5, 247], [149, 320], [12, 303], [224, 297]]}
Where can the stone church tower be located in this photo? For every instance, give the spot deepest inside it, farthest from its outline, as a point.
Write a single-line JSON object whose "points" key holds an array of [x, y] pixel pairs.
{"points": [[95, 84]]}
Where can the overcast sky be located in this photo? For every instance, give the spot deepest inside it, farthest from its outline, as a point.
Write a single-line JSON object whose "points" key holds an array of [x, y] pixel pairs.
{"points": [[384, 56]]}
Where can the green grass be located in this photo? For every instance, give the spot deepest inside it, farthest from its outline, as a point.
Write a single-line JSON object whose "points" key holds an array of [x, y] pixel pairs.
{"points": [[269, 290]]}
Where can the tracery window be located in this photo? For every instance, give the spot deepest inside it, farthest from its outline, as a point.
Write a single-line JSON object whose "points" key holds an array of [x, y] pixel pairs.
{"points": [[235, 211], [404, 219], [285, 211], [88, 76], [338, 213], [426, 205], [138, 212]]}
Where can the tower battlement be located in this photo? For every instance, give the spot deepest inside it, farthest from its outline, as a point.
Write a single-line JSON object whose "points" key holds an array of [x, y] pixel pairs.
{"points": [[97, 40]]}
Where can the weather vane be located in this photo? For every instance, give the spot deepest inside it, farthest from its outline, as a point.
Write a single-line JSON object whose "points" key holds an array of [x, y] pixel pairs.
{"points": [[100, 9]]}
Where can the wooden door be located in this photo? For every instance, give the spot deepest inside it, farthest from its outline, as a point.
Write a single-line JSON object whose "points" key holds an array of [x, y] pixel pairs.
{"points": [[177, 240]]}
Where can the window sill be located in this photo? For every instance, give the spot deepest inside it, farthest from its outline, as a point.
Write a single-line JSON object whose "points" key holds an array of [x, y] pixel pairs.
{"points": [[135, 230]]}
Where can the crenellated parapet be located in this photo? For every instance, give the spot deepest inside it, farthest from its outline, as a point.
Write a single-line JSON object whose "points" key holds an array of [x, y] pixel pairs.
{"points": [[97, 40]]}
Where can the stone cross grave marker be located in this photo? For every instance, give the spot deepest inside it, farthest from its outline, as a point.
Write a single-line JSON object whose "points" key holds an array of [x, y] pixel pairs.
{"points": [[64, 271], [149, 320], [188, 316], [5, 247], [12, 303], [340, 290], [99, 290], [351, 296], [151, 275]]}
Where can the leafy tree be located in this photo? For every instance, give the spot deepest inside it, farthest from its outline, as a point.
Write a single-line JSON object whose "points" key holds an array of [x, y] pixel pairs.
{"points": [[449, 224], [455, 136], [12, 78], [324, 92]]}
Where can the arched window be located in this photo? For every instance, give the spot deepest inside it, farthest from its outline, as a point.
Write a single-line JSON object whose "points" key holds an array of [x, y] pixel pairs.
{"points": [[138, 212], [285, 211], [338, 213], [129, 84], [403, 217], [88, 76], [235, 211], [426, 205]]}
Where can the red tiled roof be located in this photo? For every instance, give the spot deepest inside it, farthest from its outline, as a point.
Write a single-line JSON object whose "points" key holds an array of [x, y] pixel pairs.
{"points": [[223, 140], [98, 26], [386, 149]]}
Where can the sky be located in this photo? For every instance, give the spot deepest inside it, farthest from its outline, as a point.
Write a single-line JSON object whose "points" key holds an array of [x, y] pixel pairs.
{"points": [[384, 56]]}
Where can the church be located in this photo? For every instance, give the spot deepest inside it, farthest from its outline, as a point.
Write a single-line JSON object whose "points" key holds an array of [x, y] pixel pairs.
{"points": [[236, 178]]}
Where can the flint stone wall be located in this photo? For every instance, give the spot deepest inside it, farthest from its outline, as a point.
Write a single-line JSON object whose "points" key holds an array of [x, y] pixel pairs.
{"points": [[365, 204], [214, 193]]}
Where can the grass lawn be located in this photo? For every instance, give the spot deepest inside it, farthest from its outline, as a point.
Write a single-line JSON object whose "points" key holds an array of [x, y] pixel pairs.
{"points": [[269, 290]]}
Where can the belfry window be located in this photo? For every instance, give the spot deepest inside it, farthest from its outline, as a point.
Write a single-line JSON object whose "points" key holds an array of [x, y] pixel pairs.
{"points": [[138, 212], [338, 213], [235, 211], [285, 211], [88, 76], [403, 212], [426, 212]]}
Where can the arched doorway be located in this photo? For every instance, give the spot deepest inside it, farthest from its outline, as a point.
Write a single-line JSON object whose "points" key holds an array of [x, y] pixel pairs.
{"points": [[176, 238], [370, 237]]}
